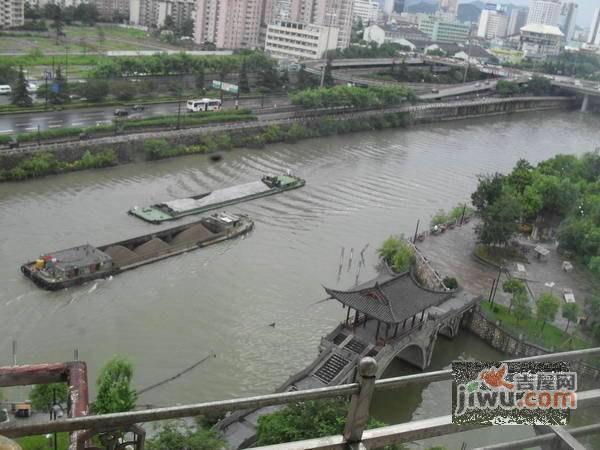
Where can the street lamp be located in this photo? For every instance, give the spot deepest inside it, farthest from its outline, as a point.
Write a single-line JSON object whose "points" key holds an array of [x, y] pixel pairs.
{"points": [[331, 16]]}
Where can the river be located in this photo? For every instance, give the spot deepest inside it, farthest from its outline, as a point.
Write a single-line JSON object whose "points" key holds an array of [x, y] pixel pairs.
{"points": [[164, 317]]}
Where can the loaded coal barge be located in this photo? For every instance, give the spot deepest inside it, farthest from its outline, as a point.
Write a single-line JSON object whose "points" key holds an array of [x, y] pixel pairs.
{"points": [[174, 209], [77, 265]]}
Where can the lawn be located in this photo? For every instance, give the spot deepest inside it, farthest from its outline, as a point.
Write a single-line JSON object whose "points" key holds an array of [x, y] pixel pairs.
{"points": [[42, 442], [531, 329]]}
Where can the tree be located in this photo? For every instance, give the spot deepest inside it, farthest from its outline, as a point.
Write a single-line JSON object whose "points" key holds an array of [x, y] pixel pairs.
{"points": [[507, 88], [200, 77], [546, 308], [123, 89], [94, 90], [539, 85], [180, 436], [187, 27], [42, 396], [169, 24], [570, 311], [515, 287], [307, 420], [55, 13], [8, 74], [243, 77], [20, 95], [499, 221], [521, 307], [114, 392], [328, 75], [58, 90], [86, 13], [489, 188], [388, 248]]}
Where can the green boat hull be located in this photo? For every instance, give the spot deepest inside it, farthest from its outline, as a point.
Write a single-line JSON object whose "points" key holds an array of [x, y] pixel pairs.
{"points": [[156, 215]]}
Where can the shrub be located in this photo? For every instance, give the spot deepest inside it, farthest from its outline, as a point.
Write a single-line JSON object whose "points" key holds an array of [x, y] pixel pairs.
{"points": [[450, 282], [397, 253], [439, 218], [156, 148]]}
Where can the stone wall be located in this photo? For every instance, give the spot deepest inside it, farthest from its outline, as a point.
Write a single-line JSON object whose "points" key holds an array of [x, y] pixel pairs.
{"points": [[505, 342]]}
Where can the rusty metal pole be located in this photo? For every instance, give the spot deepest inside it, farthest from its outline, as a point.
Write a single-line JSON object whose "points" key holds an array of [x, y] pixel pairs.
{"points": [[358, 415]]}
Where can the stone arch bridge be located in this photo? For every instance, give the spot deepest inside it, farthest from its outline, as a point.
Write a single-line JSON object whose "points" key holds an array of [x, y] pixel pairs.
{"points": [[390, 317]]}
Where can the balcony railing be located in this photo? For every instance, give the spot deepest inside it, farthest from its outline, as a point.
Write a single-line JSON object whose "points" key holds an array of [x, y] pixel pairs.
{"points": [[355, 434]]}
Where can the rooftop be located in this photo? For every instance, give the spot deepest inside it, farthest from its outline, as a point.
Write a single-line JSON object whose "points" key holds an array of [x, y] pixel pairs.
{"points": [[81, 256], [542, 29], [392, 300]]}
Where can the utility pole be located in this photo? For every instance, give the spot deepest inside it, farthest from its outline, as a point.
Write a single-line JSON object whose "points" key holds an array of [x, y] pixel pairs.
{"points": [[67, 64], [331, 15], [46, 76], [468, 60]]}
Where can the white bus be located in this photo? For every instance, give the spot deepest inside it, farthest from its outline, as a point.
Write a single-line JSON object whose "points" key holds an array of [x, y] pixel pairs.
{"points": [[205, 104]]}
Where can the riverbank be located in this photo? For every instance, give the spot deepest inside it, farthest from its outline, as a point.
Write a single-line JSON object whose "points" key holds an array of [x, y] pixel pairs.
{"points": [[14, 163]]}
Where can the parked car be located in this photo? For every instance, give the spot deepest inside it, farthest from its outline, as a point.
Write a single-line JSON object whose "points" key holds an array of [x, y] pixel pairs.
{"points": [[4, 416], [435, 91], [138, 107], [121, 113], [5, 89]]}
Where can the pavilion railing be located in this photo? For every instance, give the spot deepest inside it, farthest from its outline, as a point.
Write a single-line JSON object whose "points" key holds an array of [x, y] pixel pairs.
{"points": [[354, 435]]}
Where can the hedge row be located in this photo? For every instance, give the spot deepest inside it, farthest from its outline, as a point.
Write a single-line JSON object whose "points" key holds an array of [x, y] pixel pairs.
{"points": [[45, 163], [352, 96]]}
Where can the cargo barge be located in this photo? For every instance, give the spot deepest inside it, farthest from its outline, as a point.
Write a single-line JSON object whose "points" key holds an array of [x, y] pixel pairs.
{"points": [[77, 265], [174, 209]]}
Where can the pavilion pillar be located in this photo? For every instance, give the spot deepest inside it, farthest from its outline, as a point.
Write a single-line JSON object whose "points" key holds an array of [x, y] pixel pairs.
{"points": [[413, 321], [365, 321], [377, 331], [422, 315], [404, 323], [356, 317], [387, 329], [348, 316], [396, 330]]}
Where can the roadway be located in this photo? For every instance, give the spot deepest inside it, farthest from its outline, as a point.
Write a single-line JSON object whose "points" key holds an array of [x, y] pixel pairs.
{"points": [[95, 116]]}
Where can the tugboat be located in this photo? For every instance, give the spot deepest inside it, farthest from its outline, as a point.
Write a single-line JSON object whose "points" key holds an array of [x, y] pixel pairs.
{"points": [[174, 209], [73, 266]]}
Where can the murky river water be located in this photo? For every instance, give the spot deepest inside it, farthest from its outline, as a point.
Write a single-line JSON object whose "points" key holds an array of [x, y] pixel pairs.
{"points": [[166, 316]]}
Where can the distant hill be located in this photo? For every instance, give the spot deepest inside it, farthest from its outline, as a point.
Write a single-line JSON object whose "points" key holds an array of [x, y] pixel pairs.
{"points": [[422, 7]]}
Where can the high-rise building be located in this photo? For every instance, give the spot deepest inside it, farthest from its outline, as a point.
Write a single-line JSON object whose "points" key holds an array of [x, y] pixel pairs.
{"points": [[388, 7], [335, 13], [492, 24], [448, 6], [567, 19], [111, 8], [516, 21], [544, 12], [229, 23], [594, 37], [365, 10], [11, 13], [299, 41], [440, 30], [398, 6], [153, 13], [540, 41]]}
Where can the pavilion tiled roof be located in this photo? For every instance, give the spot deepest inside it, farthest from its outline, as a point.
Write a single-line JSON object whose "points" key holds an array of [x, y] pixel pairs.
{"points": [[391, 301]]}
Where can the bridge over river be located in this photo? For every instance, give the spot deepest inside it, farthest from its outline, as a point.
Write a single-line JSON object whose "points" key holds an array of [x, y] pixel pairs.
{"points": [[392, 316]]}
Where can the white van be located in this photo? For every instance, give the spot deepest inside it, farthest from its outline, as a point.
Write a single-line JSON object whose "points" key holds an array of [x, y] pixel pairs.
{"points": [[205, 104], [5, 89]]}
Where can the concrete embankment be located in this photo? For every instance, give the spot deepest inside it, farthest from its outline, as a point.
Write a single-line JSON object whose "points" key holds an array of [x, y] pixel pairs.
{"points": [[130, 148]]}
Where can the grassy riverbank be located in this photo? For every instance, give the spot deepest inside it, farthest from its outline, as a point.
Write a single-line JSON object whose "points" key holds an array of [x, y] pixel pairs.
{"points": [[46, 163]]}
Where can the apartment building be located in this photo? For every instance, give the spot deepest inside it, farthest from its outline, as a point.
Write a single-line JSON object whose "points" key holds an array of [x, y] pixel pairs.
{"points": [[567, 19], [365, 10], [229, 23], [296, 41], [334, 13], [109, 8], [594, 36], [516, 21], [153, 13], [440, 30], [11, 13], [544, 12], [492, 24], [540, 41]]}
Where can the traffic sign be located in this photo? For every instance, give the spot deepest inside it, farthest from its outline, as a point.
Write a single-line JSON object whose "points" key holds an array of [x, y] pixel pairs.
{"points": [[227, 87]]}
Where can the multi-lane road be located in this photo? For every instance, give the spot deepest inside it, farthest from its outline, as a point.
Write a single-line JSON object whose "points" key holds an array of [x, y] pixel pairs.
{"points": [[28, 122]]}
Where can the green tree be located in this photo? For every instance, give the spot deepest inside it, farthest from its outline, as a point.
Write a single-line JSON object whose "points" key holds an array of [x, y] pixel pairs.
{"points": [[20, 95], [570, 311], [8, 74], [200, 77], [546, 308], [94, 90], [539, 85], [307, 420], [42, 396], [515, 287], [114, 391], [180, 436], [439, 218], [489, 188], [187, 27], [328, 75], [55, 13], [507, 88], [499, 221], [169, 24], [243, 78], [123, 90], [388, 248], [403, 259], [86, 13], [521, 309], [58, 93]]}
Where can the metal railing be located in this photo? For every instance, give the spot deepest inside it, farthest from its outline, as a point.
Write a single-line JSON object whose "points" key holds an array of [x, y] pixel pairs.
{"points": [[361, 391]]}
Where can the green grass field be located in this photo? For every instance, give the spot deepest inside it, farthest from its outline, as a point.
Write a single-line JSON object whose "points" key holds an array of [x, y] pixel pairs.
{"points": [[531, 329], [43, 443]]}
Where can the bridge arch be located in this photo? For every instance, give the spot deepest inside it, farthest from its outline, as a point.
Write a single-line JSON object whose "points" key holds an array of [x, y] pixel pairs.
{"points": [[414, 354]]}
